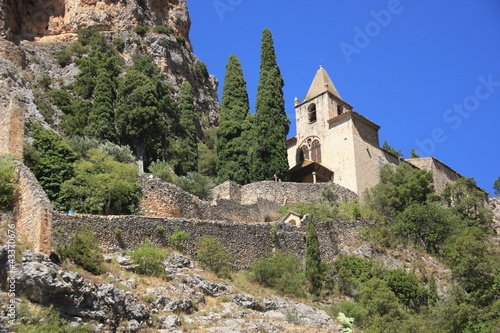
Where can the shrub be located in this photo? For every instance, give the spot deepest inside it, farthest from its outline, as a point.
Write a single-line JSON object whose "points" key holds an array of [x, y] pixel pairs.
{"points": [[44, 320], [63, 57], [162, 29], [321, 211], [178, 238], [141, 30], [149, 259], [280, 271], [82, 249], [215, 256], [197, 184], [181, 40], [7, 182], [201, 69], [119, 44], [164, 171], [329, 195]]}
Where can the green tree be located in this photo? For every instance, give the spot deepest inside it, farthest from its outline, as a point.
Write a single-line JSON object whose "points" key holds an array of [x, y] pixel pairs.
{"points": [[102, 186], [188, 147], [102, 118], [386, 146], [7, 182], [197, 184], [271, 124], [142, 112], [496, 186], [51, 161], [214, 255], [313, 259], [413, 154], [149, 259], [232, 134], [207, 153], [467, 202]]}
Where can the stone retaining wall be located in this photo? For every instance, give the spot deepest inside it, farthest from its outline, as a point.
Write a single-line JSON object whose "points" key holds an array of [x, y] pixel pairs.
{"points": [[245, 241]]}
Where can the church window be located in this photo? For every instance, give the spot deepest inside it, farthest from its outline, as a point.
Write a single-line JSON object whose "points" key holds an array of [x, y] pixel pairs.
{"points": [[316, 151], [339, 109], [311, 110], [304, 155]]}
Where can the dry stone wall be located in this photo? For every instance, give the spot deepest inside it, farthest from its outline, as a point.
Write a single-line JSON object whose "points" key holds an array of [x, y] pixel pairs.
{"points": [[245, 241], [33, 211]]}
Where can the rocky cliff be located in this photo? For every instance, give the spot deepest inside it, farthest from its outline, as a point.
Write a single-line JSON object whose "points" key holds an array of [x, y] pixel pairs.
{"points": [[32, 32]]}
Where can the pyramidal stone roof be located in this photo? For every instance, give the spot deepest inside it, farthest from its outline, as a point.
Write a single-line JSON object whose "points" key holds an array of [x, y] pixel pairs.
{"points": [[320, 84]]}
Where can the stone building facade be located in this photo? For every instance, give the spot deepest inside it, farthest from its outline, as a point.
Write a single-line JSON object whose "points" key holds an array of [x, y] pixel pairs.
{"points": [[336, 144]]}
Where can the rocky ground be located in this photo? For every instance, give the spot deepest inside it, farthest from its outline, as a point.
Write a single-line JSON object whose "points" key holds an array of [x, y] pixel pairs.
{"points": [[192, 300]]}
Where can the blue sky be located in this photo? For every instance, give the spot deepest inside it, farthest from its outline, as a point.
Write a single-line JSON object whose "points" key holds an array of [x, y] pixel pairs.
{"points": [[427, 72]]}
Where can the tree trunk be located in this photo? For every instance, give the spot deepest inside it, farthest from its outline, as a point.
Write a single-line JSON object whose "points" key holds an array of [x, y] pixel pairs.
{"points": [[139, 150]]}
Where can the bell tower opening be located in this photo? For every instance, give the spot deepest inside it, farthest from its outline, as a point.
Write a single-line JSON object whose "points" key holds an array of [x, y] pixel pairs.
{"points": [[311, 111]]}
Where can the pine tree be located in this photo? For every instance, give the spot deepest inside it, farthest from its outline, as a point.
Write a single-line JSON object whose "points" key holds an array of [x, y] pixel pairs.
{"points": [[413, 154], [232, 147], [271, 124], [188, 147], [313, 259]]}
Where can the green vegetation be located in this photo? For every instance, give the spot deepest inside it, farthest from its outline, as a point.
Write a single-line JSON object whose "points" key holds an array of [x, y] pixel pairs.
{"points": [[270, 124], [44, 320], [141, 30], [164, 171], [386, 146], [197, 184], [163, 29], [149, 259], [214, 256], [313, 259], [496, 186], [282, 272], [178, 238], [7, 182], [234, 127], [187, 141], [82, 251]]}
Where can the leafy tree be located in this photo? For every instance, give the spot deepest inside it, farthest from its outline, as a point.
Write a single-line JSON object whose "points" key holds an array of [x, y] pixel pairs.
{"points": [[320, 211], [164, 171], [214, 255], [188, 148], [178, 238], [207, 154], [232, 134], [427, 225], [398, 188], [141, 116], [407, 288], [50, 159], [82, 145], [102, 186], [329, 195], [391, 149], [413, 154], [468, 202], [7, 182], [82, 249], [313, 259], [496, 186], [271, 124]]}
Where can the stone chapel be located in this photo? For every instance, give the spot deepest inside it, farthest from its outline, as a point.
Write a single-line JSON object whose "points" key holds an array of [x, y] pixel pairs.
{"points": [[336, 144]]}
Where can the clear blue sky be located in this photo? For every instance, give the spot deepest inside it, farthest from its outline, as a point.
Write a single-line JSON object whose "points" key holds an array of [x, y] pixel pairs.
{"points": [[427, 72]]}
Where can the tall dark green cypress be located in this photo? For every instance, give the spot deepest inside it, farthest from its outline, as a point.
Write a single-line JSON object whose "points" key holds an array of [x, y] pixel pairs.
{"points": [[188, 147], [232, 134], [313, 259], [271, 124], [102, 118]]}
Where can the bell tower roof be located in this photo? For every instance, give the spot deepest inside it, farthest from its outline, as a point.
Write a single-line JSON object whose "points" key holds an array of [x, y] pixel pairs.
{"points": [[320, 84]]}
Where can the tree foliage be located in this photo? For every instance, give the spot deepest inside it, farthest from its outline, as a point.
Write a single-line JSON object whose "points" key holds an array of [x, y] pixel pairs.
{"points": [[149, 259], [102, 185], [313, 259], [214, 255], [187, 141], [7, 182], [233, 132], [270, 124], [386, 146]]}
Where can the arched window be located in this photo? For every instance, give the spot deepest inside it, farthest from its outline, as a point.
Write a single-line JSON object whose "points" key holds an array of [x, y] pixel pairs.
{"points": [[316, 151], [340, 110], [305, 153], [311, 110]]}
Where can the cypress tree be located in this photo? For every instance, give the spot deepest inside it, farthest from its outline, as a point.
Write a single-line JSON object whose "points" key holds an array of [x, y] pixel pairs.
{"points": [[271, 124], [313, 259], [232, 134], [102, 118], [188, 147]]}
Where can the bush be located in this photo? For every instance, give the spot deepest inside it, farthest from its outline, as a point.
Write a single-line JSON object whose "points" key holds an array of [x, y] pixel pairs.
{"points": [[329, 195], [141, 30], [162, 29], [197, 184], [164, 171], [119, 44], [149, 259], [63, 57], [215, 256], [181, 40], [178, 238], [280, 271], [321, 211], [82, 249], [44, 320], [7, 182]]}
